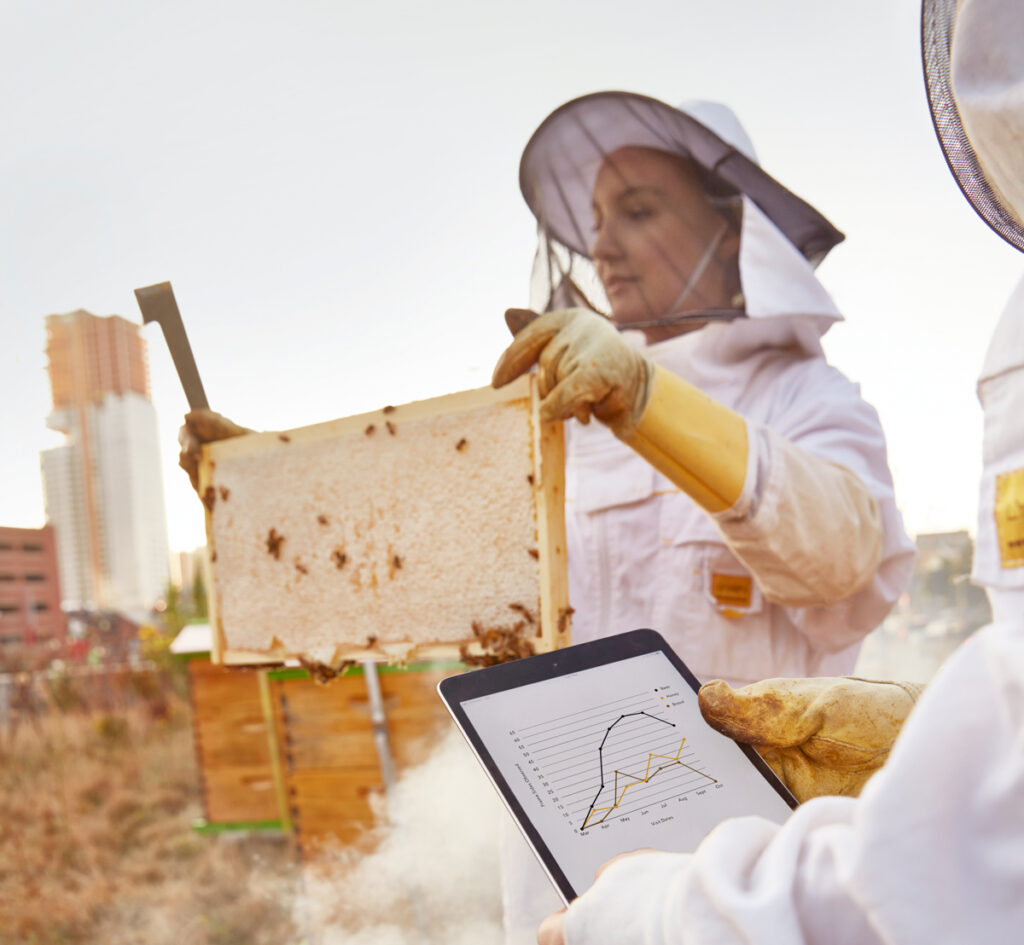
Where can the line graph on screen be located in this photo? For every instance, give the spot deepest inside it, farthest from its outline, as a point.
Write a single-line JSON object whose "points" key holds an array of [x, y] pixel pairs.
{"points": [[610, 760]]}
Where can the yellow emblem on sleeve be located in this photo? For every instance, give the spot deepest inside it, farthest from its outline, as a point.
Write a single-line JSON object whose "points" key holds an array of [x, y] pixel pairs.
{"points": [[1009, 512]]}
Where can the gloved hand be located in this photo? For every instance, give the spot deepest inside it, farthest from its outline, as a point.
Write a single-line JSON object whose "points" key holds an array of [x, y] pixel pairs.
{"points": [[202, 426], [820, 736], [583, 367]]}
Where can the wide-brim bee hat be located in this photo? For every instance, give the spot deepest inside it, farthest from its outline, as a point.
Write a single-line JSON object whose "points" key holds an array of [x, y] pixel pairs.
{"points": [[783, 237]]}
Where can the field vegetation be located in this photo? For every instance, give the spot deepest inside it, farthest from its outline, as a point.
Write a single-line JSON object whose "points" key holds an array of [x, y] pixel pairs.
{"points": [[97, 804]]}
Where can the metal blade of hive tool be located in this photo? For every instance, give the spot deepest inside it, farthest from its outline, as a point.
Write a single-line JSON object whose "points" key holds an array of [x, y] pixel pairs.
{"points": [[518, 318], [158, 305]]}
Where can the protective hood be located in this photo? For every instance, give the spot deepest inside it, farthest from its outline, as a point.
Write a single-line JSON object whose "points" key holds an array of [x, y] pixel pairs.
{"points": [[974, 73], [782, 237]]}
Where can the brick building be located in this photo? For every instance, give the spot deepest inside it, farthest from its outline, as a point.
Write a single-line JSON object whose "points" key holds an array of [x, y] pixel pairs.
{"points": [[30, 610]]}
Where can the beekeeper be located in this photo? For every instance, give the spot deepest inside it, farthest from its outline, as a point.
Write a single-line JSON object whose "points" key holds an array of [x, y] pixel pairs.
{"points": [[734, 493], [930, 851]]}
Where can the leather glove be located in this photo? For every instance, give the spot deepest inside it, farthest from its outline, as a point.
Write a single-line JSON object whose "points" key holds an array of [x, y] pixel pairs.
{"points": [[820, 736], [202, 426], [583, 367]]}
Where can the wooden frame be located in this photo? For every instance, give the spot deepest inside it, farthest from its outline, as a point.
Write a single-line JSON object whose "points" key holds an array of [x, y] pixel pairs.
{"points": [[239, 466]]}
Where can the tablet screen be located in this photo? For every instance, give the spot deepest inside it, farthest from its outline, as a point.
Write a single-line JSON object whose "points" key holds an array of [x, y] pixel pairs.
{"points": [[615, 757]]}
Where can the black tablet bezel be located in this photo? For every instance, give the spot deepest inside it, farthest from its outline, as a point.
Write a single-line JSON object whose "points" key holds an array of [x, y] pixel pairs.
{"points": [[454, 690]]}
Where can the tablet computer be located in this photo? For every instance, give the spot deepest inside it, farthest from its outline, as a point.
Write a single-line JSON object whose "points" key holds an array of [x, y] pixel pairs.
{"points": [[600, 748]]}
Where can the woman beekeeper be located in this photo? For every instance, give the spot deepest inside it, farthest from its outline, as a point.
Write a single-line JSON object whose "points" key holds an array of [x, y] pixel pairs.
{"points": [[735, 495], [931, 851]]}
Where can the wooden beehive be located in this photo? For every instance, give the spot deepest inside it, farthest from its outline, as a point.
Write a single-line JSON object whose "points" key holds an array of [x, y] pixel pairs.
{"points": [[331, 768], [411, 533], [233, 749], [277, 750]]}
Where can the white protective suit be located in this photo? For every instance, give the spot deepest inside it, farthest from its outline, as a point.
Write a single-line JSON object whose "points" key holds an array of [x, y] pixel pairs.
{"points": [[931, 852], [999, 554], [933, 849], [644, 554]]}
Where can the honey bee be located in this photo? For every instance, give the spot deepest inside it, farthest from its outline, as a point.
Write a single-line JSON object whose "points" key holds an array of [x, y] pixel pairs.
{"points": [[500, 645], [522, 609], [320, 673], [300, 567], [388, 409], [339, 558], [209, 498], [461, 445], [323, 520], [390, 427], [529, 478], [370, 430], [563, 618], [534, 553], [224, 493], [284, 437], [274, 542], [396, 562]]}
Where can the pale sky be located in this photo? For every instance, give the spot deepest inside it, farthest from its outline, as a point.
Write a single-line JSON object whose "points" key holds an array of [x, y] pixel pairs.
{"points": [[332, 190]]}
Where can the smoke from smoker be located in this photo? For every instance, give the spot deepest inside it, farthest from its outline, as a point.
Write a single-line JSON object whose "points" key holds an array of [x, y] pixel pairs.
{"points": [[433, 876]]}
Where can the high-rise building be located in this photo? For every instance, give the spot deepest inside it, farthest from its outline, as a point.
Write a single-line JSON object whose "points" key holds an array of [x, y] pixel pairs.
{"points": [[103, 486]]}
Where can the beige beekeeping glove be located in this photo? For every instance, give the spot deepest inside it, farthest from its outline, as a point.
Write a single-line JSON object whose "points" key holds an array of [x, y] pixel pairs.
{"points": [[202, 426], [584, 367], [821, 736]]}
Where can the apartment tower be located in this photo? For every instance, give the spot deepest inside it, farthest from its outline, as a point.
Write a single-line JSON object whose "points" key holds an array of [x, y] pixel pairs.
{"points": [[103, 487]]}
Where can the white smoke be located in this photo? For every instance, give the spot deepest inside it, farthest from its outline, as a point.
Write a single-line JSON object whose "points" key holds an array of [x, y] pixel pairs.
{"points": [[433, 876]]}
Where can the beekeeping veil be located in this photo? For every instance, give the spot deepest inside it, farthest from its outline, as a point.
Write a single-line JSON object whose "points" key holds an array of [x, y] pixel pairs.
{"points": [[782, 238], [973, 52]]}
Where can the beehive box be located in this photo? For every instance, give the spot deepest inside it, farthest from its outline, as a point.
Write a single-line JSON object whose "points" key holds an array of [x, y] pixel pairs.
{"points": [[277, 751], [232, 735], [331, 767], [432, 530]]}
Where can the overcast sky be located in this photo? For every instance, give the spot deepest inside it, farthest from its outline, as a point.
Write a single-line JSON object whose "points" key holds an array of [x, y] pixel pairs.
{"points": [[331, 188]]}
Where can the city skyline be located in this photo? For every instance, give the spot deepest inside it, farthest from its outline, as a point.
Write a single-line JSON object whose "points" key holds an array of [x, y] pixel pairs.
{"points": [[333, 195]]}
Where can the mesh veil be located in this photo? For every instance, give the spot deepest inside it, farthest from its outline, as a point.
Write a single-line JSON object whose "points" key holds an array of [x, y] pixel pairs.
{"points": [[938, 18], [580, 142], [562, 277]]}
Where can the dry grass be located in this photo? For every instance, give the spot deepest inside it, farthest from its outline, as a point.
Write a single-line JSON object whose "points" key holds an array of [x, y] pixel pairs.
{"points": [[97, 845], [96, 841]]}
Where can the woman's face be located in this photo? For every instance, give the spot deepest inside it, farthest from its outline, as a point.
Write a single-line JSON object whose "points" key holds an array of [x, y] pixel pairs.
{"points": [[653, 224]]}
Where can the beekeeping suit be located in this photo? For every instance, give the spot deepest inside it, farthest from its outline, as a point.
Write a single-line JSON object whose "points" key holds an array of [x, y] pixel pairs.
{"points": [[999, 554], [805, 552], [931, 850], [774, 564]]}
